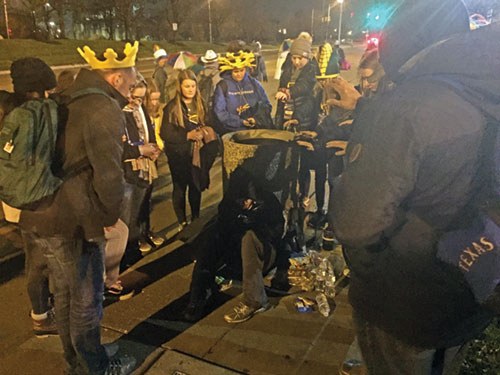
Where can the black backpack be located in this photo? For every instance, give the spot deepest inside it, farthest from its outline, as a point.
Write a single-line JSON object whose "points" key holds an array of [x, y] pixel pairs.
{"points": [[206, 85]]}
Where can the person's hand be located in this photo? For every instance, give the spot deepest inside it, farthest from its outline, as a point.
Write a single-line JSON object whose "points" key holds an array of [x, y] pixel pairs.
{"points": [[247, 204], [308, 134], [149, 150], [307, 145], [289, 124], [156, 154], [341, 145], [280, 95], [249, 122], [109, 229], [348, 94], [194, 135]]}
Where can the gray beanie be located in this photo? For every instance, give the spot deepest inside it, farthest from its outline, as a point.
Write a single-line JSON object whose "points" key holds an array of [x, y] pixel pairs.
{"points": [[301, 47]]}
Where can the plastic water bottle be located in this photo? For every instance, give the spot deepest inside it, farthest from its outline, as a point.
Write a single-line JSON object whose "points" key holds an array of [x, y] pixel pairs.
{"points": [[323, 306]]}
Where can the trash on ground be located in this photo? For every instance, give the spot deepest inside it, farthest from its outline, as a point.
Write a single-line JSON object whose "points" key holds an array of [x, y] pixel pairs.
{"points": [[313, 272]]}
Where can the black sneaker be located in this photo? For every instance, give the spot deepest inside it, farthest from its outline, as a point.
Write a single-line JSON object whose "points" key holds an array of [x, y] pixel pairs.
{"points": [[317, 219], [194, 311], [121, 366]]}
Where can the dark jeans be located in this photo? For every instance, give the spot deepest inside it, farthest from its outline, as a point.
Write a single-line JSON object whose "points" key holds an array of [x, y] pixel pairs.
{"points": [[384, 354], [179, 200], [37, 273], [76, 270], [310, 160], [132, 212]]}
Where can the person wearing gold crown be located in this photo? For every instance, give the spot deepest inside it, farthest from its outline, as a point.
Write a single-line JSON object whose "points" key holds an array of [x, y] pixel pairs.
{"points": [[238, 98], [71, 226]]}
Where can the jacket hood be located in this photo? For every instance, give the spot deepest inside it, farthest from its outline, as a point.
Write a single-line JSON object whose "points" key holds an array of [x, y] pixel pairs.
{"points": [[417, 24], [469, 63]]}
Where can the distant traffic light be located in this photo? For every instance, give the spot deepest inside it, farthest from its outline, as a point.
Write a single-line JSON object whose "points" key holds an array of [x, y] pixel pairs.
{"points": [[377, 16]]}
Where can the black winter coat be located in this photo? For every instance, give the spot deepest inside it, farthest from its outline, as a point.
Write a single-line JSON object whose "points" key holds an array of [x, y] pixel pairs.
{"points": [[302, 95]]}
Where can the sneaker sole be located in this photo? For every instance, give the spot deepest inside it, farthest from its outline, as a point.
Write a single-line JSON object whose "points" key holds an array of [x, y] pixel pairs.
{"points": [[126, 296], [43, 335]]}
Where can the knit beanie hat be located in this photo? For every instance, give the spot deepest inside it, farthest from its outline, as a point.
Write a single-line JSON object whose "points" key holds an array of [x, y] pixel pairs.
{"points": [[301, 47], [31, 74]]}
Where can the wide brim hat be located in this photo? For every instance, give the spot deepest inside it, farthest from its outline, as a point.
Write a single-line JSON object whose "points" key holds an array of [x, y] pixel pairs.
{"points": [[210, 56], [158, 54]]}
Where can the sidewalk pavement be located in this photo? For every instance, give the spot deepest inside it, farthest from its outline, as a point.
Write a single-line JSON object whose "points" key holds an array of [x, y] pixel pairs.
{"points": [[150, 325]]}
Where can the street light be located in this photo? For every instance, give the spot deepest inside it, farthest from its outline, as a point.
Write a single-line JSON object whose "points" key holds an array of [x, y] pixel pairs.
{"points": [[341, 2], [209, 21], [6, 18]]}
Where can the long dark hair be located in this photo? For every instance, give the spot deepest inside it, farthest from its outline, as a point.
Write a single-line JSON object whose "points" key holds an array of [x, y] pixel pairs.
{"points": [[176, 115]]}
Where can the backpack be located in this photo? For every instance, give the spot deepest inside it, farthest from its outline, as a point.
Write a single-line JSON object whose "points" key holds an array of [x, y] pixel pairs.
{"points": [[27, 150], [206, 85], [255, 70]]}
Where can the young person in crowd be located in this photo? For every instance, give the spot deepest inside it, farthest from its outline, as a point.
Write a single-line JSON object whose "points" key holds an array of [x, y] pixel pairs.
{"points": [[184, 132]]}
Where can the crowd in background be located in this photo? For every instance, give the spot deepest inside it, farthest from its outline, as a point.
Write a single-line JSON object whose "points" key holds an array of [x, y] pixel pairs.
{"points": [[390, 151]]}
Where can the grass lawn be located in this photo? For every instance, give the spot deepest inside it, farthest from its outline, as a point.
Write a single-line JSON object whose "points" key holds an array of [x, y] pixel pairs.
{"points": [[63, 51], [483, 353]]}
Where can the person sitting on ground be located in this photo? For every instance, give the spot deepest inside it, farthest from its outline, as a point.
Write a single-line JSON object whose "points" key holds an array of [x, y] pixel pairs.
{"points": [[240, 100], [245, 235], [185, 133]]}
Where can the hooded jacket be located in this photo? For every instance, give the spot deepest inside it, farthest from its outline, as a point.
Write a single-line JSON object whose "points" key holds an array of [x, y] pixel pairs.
{"points": [[240, 97], [413, 168], [91, 200]]}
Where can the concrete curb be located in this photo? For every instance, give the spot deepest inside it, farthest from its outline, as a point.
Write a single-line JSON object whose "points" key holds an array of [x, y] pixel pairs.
{"points": [[72, 66]]}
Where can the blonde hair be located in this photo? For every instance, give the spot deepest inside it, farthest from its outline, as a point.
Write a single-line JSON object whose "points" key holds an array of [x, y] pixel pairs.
{"points": [[176, 115]]}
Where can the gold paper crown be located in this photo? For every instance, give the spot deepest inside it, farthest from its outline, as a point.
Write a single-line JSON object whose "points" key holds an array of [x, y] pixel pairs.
{"points": [[236, 60], [110, 55]]}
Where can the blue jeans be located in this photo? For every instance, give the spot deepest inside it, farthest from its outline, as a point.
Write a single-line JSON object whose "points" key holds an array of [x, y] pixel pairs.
{"points": [[76, 269], [37, 274]]}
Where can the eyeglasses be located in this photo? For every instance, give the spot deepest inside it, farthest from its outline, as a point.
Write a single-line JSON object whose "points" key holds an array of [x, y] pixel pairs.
{"points": [[137, 99]]}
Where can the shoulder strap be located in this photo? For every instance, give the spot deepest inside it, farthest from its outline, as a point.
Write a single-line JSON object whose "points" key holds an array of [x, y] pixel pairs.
{"points": [[223, 86]]}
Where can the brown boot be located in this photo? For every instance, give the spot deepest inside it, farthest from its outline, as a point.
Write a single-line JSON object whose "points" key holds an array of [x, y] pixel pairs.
{"points": [[45, 327]]}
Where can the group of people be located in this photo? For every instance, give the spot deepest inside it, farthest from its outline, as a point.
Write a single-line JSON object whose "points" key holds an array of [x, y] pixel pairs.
{"points": [[406, 155]]}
